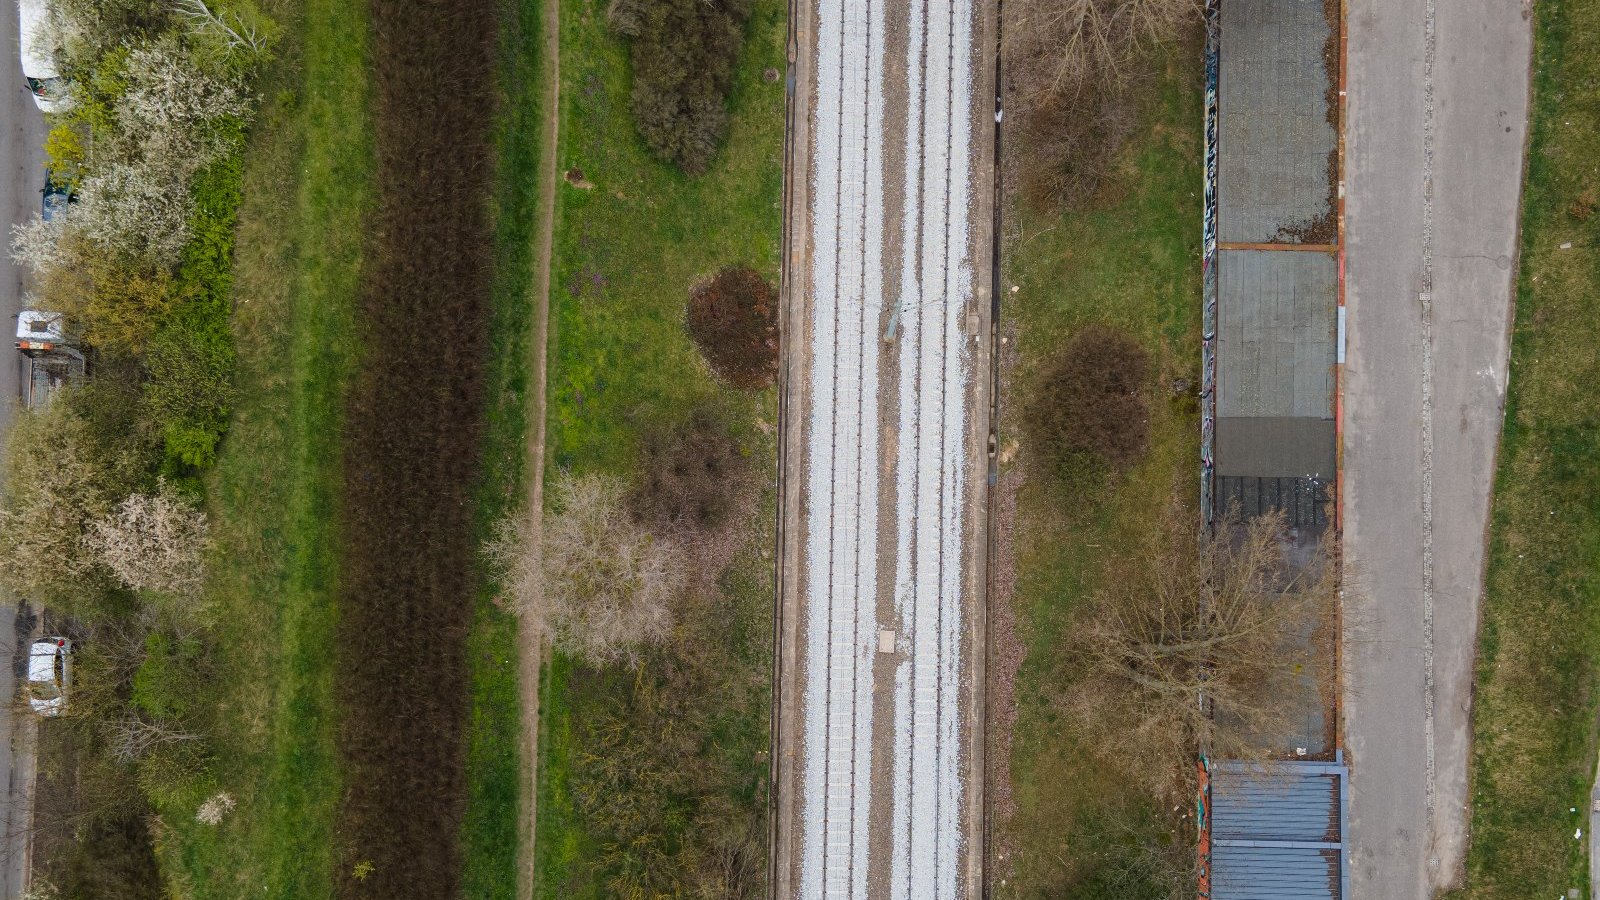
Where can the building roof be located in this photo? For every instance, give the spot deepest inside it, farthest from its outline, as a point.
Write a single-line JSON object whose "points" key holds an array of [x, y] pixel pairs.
{"points": [[1277, 830]]}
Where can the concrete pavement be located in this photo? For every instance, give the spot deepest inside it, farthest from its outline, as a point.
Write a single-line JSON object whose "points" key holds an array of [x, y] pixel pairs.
{"points": [[1438, 97], [21, 177], [1594, 843]]}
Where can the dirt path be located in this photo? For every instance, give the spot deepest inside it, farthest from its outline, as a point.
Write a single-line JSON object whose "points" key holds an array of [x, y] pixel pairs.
{"points": [[531, 639]]}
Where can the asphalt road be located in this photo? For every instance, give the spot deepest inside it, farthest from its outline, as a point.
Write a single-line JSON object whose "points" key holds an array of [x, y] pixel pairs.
{"points": [[21, 177], [1437, 123]]}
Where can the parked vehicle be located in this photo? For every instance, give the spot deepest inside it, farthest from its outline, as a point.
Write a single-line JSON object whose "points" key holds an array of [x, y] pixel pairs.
{"points": [[53, 361], [49, 675], [51, 92], [57, 197]]}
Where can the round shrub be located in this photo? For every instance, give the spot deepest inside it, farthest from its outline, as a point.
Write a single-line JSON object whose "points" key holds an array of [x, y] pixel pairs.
{"points": [[691, 473], [733, 318], [1090, 400]]}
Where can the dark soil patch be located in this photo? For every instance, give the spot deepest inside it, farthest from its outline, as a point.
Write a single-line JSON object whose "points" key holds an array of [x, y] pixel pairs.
{"points": [[1090, 401], [733, 318], [412, 452]]}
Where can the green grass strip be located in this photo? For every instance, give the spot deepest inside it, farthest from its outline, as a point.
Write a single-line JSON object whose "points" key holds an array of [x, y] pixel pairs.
{"points": [[273, 495], [495, 802], [1534, 739], [1132, 261], [627, 249]]}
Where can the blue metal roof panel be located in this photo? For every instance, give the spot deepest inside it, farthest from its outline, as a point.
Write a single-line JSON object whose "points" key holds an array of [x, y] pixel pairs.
{"points": [[1277, 831], [1288, 806]]}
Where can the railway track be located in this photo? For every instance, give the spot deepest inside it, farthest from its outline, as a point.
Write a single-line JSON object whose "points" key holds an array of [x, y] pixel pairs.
{"points": [[886, 587]]}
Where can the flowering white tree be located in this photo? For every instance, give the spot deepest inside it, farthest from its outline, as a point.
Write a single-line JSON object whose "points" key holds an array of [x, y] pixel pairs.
{"points": [[152, 542], [171, 106], [138, 209], [603, 584], [174, 118], [36, 245]]}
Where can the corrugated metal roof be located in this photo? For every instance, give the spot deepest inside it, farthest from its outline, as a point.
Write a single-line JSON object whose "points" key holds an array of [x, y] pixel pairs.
{"points": [[1277, 830]]}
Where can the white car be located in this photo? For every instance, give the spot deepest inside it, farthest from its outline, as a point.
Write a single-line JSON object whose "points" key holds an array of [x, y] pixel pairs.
{"points": [[49, 675], [51, 92]]}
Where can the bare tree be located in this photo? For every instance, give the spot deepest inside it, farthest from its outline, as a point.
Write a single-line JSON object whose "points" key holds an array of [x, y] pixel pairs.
{"points": [[152, 542], [602, 584], [1233, 619], [134, 737], [1069, 46], [229, 28], [1069, 65]]}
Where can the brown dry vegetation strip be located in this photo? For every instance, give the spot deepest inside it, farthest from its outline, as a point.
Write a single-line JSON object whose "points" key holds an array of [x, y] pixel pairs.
{"points": [[415, 423]]}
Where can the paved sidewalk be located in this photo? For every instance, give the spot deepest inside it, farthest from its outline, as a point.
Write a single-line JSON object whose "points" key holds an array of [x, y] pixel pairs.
{"points": [[21, 178], [1437, 120]]}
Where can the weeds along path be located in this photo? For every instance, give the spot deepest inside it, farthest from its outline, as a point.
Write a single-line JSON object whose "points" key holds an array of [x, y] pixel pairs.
{"points": [[412, 452]]}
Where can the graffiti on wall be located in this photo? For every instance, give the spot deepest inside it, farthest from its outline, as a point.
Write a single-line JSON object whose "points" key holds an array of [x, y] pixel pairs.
{"points": [[1208, 346]]}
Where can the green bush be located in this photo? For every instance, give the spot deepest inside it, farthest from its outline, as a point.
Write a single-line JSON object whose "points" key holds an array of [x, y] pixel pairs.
{"points": [[190, 361], [684, 53], [165, 687], [169, 678]]}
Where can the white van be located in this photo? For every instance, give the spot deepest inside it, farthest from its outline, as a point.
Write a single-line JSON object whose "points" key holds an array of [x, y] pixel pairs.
{"points": [[50, 91]]}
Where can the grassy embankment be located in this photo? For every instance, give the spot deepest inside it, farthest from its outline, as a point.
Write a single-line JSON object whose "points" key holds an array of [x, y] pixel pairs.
{"points": [[276, 496], [1534, 730], [274, 492], [1132, 261], [628, 246]]}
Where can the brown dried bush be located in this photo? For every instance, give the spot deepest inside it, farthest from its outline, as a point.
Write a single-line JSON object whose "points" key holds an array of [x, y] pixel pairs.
{"points": [[1090, 401], [1070, 146], [1069, 64], [733, 318], [692, 473], [1182, 616]]}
